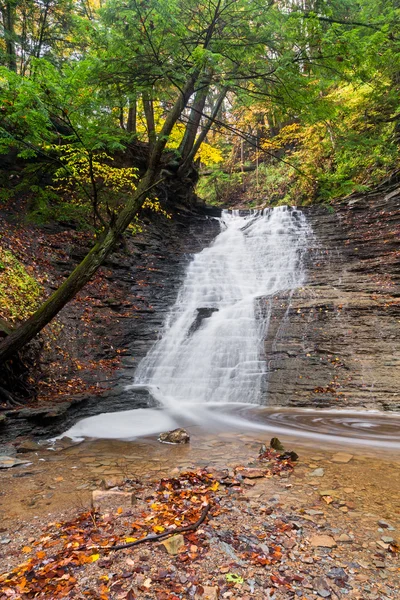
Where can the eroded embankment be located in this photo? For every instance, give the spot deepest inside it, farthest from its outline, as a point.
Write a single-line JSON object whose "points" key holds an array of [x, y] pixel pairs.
{"points": [[111, 323]]}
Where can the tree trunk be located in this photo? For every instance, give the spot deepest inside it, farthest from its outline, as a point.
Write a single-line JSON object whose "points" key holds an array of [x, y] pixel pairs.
{"points": [[210, 121], [149, 115], [97, 255], [195, 116], [132, 116], [8, 14]]}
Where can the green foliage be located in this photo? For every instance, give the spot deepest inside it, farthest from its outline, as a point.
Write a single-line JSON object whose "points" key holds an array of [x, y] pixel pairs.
{"points": [[19, 291], [219, 187]]}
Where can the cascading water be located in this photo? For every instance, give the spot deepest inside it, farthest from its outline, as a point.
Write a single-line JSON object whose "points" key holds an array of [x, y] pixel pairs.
{"points": [[211, 350], [208, 366]]}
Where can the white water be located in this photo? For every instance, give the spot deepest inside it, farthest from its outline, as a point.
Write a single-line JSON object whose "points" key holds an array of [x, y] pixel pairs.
{"points": [[253, 258], [211, 371]]}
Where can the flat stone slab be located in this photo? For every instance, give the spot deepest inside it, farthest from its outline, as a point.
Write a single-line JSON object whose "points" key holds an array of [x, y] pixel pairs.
{"points": [[342, 457], [6, 462], [323, 541], [250, 473], [110, 500], [174, 544]]}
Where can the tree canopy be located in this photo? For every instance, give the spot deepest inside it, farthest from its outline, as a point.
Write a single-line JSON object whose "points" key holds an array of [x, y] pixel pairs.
{"points": [[103, 101]]}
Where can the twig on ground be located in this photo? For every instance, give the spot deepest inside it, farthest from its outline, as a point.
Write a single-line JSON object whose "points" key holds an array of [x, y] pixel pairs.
{"points": [[154, 537]]}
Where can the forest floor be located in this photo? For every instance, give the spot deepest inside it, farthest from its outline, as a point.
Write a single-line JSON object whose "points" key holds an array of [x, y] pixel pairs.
{"points": [[324, 526]]}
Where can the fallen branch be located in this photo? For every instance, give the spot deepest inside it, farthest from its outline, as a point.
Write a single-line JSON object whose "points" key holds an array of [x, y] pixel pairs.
{"points": [[154, 537]]}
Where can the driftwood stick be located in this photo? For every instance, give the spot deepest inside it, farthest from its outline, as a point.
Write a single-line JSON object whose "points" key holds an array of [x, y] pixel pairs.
{"points": [[154, 537]]}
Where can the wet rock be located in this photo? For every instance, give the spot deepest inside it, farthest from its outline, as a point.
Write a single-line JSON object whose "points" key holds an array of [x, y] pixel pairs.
{"points": [[111, 501], [386, 525], [251, 473], [276, 444], [176, 436], [111, 482], [6, 462], [174, 544], [387, 539], [202, 313], [28, 446], [342, 457], [318, 473], [323, 541]]}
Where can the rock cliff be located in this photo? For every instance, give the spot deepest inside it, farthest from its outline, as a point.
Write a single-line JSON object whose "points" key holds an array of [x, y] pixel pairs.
{"points": [[336, 342]]}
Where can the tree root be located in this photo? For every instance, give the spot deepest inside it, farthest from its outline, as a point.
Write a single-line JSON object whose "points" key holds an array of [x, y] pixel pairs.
{"points": [[160, 536]]}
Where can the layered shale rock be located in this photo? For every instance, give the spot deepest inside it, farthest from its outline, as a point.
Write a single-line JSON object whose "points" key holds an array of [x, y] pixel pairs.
{"points": [[336, 342]]}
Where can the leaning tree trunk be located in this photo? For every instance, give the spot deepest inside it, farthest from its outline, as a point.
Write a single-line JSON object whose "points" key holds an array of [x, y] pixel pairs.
{"points": [[195, 116], [97, 255]]}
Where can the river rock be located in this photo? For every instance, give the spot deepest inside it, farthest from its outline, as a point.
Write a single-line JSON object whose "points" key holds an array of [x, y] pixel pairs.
{"points": [[318, 472], [209, 593], [250, 473], [342, 457], [28, 446], [6, 462], [110, 501], [176, 436], [323, 541], [174, 544], [276, 444]]}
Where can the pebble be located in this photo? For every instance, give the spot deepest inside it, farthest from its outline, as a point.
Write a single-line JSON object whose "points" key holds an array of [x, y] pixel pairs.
{"points": [[387, 539], [318, 472]]}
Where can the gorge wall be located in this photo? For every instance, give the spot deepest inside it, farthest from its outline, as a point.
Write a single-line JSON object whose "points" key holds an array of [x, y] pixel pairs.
{"points": [[333, 343], [336, 342]]}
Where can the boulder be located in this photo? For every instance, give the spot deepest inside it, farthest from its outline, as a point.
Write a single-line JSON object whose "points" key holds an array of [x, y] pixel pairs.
{"points": [[176, 436]]}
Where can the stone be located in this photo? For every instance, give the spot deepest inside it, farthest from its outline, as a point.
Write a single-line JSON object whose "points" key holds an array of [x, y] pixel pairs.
{"points": [[176, 436], [209, 593], [318, 473], [28, 446], [250, 473], [111, 501], [382, 545], [342, 457], [344, 538], [276, 444], [111, 482], [174, 544], [385, 525], [333, 493], [322, 587], [6, 462], [387, 539], [323, 541]]}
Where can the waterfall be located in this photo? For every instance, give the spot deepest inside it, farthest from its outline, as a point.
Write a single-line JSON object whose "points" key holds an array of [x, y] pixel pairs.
{"points": [[211, 348], [208, 367]]}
